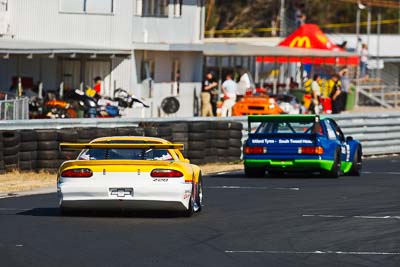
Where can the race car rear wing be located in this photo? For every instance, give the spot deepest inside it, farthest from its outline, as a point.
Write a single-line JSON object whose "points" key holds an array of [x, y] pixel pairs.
{"points": [[78, 146], [286, 118]]}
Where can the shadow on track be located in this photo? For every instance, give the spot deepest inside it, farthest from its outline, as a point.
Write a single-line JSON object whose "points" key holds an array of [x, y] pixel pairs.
{"points": [[289, 175], [55, 212]]}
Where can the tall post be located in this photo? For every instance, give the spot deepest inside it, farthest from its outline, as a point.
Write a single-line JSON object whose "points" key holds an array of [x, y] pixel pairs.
{"points": [[358, 30], [282, 27], [378, 38]]}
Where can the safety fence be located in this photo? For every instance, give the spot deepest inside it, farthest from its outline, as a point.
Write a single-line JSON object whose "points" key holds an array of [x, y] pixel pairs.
{"points": [[14, 109], [34, 144]]}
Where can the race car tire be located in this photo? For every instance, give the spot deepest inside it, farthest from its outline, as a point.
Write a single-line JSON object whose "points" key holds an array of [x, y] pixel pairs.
{"points": [[46, 135], [335, 171], [357, 163], [253, 172], [199, 195]]}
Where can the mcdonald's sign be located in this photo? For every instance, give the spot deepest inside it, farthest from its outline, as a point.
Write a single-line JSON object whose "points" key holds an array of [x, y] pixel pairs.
{"points": [[301, 42]]}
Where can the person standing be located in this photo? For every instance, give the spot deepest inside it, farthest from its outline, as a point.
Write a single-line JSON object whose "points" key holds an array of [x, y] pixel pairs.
{"points": [[316, 94], [244, 85], [336, 95], [229, 88], [363, 60], [209, 85]]}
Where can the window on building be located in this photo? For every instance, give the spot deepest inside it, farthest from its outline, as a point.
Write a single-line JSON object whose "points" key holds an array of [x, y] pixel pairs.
{"points": [[178, 8], [87, 6], [99, 6], [152, 8], [147, 70]]}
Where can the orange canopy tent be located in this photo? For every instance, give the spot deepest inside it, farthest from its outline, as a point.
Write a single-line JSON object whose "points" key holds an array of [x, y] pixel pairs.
{"points": [[310, 36]]}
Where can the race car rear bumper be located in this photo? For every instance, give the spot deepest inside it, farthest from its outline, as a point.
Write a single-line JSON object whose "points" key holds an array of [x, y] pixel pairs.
{"points": [[290, 165], [121, 204]]}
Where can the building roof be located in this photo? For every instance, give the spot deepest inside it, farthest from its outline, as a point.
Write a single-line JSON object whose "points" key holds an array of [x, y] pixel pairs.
{"points": [[14, 46], [196, 47], [246, 49]]}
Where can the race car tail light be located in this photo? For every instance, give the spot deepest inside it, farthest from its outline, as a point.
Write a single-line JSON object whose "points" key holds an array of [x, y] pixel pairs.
{"points": [[77, 173], [311, 150], [255, 150], [166, 173]]}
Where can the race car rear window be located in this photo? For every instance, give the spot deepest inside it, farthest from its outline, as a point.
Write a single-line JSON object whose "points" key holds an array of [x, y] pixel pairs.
{"points": [[286, 128], [125, 154]]}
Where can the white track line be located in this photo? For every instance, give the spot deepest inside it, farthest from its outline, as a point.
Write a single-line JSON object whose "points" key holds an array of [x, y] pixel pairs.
{"points": [[314, 252], [391, 173], [357, 217], [253, 187]]}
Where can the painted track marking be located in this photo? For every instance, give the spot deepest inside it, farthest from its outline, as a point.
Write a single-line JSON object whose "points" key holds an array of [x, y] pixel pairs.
{"points": [[253, 187], [357, 216], [315, 252]]}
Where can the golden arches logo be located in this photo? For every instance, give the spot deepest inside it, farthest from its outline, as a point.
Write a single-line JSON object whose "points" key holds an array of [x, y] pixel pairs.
{"points": [[301, 41]]}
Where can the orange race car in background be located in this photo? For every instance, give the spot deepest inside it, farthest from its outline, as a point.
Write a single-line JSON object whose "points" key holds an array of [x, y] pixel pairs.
{"points": [[256, 105]]}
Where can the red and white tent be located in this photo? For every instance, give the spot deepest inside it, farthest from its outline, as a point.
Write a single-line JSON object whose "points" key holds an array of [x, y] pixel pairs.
{"points": [[309, 37]]}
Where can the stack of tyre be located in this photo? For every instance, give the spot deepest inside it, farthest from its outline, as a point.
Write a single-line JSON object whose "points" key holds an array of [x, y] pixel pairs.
{"points": [[68, 135], [48, 156], [2, 165], [180, 135], [199, 145], [160, 130], [11, 147], [28, 151], [130, 131], [235, 141]]}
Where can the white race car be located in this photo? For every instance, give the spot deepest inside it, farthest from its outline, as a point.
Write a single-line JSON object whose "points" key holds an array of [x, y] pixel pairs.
{"points": [[129, 173]]}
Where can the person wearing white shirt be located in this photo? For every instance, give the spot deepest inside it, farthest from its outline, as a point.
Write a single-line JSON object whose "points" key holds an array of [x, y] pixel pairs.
{"points": [[229, 88]]}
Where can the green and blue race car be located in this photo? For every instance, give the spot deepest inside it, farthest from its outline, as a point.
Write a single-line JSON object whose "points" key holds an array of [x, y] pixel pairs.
{"points": [[299, 143]]}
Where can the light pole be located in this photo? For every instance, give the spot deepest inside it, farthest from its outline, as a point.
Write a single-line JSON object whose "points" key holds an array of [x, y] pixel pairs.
{"points": [[283, 20]]}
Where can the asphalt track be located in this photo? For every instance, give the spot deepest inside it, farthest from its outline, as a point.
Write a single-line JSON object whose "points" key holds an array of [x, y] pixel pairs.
{"points": [[292, 221]]}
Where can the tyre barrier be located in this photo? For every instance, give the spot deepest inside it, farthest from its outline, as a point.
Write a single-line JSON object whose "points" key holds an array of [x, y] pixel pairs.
{"points": [[38, 149]]}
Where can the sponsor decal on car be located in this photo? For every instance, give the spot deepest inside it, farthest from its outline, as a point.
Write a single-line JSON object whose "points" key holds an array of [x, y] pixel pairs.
{"points": [[281, 141]]}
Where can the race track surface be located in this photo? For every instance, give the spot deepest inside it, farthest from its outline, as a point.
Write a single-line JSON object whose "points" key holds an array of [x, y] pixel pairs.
{"points": [[291, 221]]}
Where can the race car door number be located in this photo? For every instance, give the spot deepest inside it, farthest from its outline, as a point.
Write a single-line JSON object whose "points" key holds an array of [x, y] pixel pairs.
{"points": [[121, 192]]}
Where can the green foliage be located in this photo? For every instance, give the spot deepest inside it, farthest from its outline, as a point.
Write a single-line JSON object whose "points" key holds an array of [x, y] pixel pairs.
{"points": [[255, 14]]}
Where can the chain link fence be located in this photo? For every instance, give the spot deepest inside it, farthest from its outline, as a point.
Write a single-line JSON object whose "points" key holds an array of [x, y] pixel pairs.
{"points": [[14, 109]]}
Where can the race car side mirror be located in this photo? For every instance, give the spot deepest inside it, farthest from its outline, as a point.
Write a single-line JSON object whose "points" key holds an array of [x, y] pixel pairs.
{"points": [[349, 138]]}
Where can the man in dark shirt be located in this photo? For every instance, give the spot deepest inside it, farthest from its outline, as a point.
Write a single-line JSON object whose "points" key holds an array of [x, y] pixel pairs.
{"points": [[209, 96]]}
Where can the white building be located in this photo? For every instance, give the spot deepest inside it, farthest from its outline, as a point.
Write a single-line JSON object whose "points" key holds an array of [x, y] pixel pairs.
{"points": [[152, 48]]}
